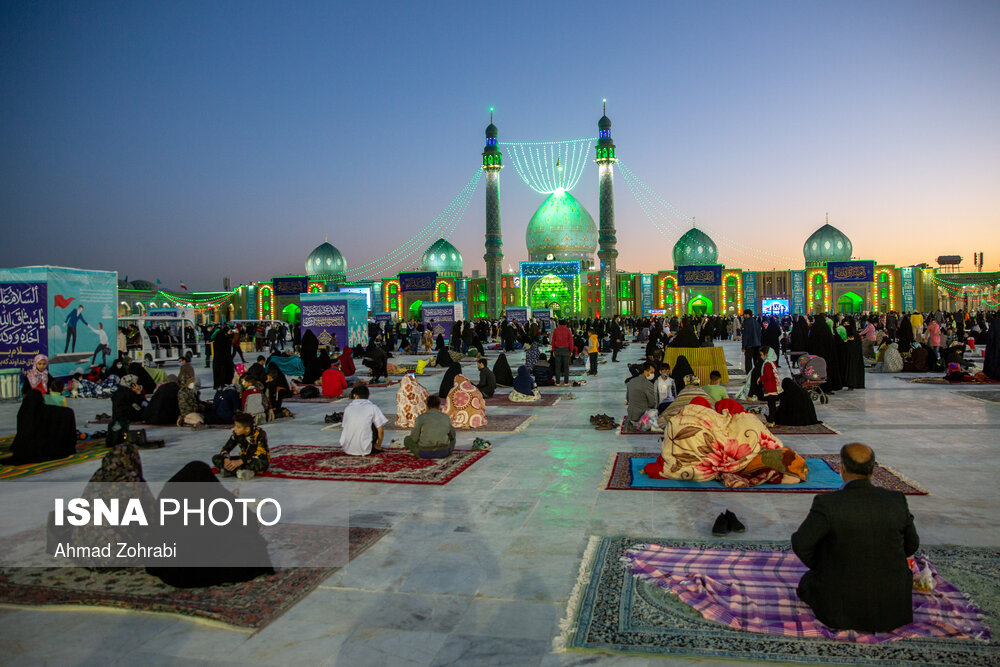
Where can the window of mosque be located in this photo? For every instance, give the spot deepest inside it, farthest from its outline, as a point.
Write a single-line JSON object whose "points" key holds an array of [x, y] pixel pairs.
{"points": [[818, 295], [819, 279], [882, 277], [731, 281], [884, 293]]}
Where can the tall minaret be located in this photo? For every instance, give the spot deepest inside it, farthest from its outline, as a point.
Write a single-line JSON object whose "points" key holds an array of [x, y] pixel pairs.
{"points": [[607, 253], [494, 240]]}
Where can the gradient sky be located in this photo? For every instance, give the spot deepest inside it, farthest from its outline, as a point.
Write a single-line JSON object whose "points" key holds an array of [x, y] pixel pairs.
{"points": [[191, 141]]}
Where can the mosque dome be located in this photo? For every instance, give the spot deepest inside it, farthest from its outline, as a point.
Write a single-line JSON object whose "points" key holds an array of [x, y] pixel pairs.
{"points": [[604, 123], [442, 257], [695, 247], [325, 260], [827, 244], [563, 228], [145, 285]]}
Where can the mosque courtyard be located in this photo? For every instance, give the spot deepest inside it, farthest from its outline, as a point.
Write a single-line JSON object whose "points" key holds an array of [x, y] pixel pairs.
{"points": [[479, 571]]}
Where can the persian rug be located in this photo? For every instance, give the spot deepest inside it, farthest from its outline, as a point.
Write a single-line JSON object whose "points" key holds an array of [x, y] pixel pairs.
{"points": [[86, 450], [941, 380], [620, 605], [624, 473], [501, 401], [107, 422], [495, 424], [250, 605], [396, 467], [991, 396]]}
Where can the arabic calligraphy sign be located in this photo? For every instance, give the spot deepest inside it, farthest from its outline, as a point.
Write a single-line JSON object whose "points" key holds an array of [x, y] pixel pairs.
{"points": [[850, 272], [23, 331], [699, 275]]}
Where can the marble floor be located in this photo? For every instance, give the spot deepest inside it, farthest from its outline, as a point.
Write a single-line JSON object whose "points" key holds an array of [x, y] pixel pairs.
{"points": [[478, 572]]}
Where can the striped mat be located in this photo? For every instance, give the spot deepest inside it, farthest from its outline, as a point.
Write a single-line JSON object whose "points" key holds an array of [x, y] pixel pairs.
{"points": [[88, 450]]}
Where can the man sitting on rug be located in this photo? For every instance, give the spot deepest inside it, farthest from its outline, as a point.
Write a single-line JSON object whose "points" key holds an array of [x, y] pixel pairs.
{"points": [[487, 380], [855, 543], [433, 435], [363, 425], [255, 457], [640, 394]]}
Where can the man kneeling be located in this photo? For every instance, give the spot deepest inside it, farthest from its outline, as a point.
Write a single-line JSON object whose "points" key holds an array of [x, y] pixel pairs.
{"points": [[254, 456], [855, 543], [433, 436]]}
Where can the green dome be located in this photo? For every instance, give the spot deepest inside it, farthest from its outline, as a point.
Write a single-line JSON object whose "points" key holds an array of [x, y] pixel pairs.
{"points": [[827, 244], [442, 257], [563, 228], [695, 247], [325, 260]]}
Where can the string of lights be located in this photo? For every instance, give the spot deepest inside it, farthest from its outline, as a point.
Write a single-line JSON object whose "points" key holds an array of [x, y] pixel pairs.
{"points": [[453, 211], [462, 208], [547, 166], [765, 257]]}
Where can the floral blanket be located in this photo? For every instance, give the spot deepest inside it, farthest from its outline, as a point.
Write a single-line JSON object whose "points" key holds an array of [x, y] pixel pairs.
{"points": [[411, 402], [465, 404], [699, 444]]}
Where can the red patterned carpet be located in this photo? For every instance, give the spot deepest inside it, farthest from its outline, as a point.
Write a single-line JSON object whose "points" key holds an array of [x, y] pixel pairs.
{"points": [[397, 467]]}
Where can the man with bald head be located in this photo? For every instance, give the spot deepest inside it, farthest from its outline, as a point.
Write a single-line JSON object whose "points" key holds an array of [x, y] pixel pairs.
{"points": [[855, 543]]}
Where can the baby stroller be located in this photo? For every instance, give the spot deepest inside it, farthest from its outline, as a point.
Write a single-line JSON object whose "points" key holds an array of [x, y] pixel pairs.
{"points": [[812, 376]]}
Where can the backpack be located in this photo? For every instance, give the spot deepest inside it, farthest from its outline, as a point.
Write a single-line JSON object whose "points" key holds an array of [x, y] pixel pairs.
{"points": [[309, 392]]}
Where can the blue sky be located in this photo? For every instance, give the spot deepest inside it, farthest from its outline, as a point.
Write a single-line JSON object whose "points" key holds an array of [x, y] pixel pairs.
{"points": [[191, 141]]}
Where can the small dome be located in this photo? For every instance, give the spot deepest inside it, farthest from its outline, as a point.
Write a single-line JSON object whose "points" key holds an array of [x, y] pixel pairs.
{"points": [[695, 247], [827, 244], [442, 257], [325, 260], [604, 123], [491, 131], [145, 285], [563, 228]]}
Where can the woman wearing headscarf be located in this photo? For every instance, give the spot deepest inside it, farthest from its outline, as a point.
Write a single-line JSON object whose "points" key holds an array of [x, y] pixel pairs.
{"points": [[771, 335], [465, 405], [891, 361], [800, 335], [851, 357], [309, 349], [315, 367], [531, 355], [686, 337], [37, 376], [377, 360], [411, 401], [524, 387], [682, 368], [795, 407], [822, 344], [448, 381], [44, 432], [443, 359], [242, 547], [163, 407], [991, 363], [502, 372], [347, 363], [117, 368], [905, 335], [223, 368]]}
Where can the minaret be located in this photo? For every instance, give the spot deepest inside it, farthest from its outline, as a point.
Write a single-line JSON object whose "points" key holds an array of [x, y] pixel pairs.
{"points": [[607, 253], [494, 240]]}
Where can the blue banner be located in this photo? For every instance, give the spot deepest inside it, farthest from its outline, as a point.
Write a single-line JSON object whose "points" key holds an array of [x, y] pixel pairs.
{"points": [[645, 294], [444, 314], [423, 281], [850, 272], [543, 316], [798, 292], [336, 319], [382, 318], [750, 291], [23, 321], [520, 314], [690, 276], [81, 326], [290, 285], [909, 289], [462, 295], [550, 269]]}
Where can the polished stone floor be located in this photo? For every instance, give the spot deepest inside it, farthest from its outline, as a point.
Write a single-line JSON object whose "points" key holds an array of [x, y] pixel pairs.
{"points": [[479, 571]]}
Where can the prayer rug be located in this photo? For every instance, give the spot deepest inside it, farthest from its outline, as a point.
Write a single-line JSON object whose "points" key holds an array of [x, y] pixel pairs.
{"points": [[398, 467], [502, 401], [941, 380], [624, 473], [86, 450], [991, 396], [620, 605], [107, 422], [251, 605], [495, 424]]}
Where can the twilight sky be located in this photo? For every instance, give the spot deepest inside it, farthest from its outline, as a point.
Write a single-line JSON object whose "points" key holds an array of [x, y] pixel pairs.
{"points": [[191, 141]]}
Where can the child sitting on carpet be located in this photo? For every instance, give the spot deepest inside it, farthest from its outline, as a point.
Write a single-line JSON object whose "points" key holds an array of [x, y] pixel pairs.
{"points": [[254, 455], [715, 389]]}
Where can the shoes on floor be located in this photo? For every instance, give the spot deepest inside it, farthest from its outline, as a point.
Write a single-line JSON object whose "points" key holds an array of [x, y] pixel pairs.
{"points": [[721, 526], [733, 524]]}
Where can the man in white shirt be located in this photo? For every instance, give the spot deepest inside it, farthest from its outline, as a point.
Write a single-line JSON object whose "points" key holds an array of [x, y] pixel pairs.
{"points": [[103, 348], [363, 425]]}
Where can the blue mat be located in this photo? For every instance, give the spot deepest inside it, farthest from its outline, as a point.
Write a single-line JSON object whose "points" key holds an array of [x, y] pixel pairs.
{"points": [[821, 478]]}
